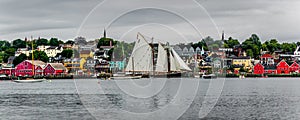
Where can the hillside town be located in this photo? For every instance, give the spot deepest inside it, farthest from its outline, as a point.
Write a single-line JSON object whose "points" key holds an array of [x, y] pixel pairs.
{"points": [[54, 58]]}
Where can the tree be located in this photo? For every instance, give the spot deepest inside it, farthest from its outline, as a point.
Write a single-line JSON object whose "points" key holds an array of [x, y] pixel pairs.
{"points": [[39, 55], [70, 42], [67, 53], [80, 41], [249, 52], [60, 42], [53, 42], [8, 52], [4, 45], [18, 43], [288, 47], [41, 41], [106, 42], [231, 42], [19, 59], [254, 44]]}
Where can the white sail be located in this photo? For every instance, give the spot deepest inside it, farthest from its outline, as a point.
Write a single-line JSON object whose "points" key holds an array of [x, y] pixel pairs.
{"points": [[162, 59], [180, 62], [174, 65], [141, 57]]}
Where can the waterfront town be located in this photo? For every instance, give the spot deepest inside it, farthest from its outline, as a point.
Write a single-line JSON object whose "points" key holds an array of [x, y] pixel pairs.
{"points": [[82, 58]]}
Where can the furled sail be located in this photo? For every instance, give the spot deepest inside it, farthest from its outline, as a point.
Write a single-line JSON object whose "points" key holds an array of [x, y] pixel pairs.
{"points": [[141, 57]]}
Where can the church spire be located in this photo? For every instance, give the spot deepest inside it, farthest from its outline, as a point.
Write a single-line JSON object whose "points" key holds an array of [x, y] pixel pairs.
{"points": [[104, 33], [223, 36]]}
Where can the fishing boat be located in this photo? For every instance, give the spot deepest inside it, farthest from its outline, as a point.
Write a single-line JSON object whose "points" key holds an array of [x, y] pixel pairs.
{"points": [[143, 60]]}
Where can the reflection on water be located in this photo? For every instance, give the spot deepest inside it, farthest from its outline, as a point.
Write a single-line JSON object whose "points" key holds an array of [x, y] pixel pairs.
{"points": [[240, 99]]}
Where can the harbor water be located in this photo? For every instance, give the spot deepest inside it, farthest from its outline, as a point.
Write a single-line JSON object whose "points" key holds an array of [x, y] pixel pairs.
{"points": [[181, 98]]}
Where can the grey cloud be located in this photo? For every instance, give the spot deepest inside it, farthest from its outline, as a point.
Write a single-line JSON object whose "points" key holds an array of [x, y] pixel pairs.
{"points": [[239, 18]]}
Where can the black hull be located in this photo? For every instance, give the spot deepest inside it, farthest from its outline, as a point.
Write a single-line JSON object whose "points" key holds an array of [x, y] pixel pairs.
{"points": [[168, 75]]}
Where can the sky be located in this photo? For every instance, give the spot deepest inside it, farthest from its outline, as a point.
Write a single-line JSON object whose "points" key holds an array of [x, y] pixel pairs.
{"points": [[176, 21]]}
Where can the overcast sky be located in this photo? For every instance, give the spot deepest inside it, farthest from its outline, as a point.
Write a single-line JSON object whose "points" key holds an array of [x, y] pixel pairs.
{"points": [[169, 20]]}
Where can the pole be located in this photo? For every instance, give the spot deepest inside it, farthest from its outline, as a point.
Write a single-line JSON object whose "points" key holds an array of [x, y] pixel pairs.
{"points": [[32, 49]]}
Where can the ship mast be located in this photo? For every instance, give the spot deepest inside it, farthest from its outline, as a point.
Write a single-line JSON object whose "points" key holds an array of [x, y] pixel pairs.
{"points": [[32, 49]]}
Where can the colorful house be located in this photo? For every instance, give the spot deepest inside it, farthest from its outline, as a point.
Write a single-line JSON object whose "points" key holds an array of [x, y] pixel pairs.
{"points": [[245, 62], [294, 67], [75, 64], [25, 68], [258, 69], [86, 54], [7, 69], [267, 59], [283, 67], [55, 69]]}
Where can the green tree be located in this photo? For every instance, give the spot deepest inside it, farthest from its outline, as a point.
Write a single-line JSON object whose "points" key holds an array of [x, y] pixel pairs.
{"points": [[288, 47], [61, 42], [53, 42], [249, 52], [18, 43], [19, 59], [105, 42], [67, 53], [70, 42], [231, 42], [7, 53], [4, 45], [41, 41], [39, 55], [254, 44]]}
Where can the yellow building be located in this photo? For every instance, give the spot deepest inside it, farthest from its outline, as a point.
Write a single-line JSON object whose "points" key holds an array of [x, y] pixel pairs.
{"points": [[244, 62], [86, 54], [74, 64]]}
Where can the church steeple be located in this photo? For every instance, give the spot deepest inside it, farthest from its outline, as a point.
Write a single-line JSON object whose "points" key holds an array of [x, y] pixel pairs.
{"points": [[104, 33], [223, 36]]}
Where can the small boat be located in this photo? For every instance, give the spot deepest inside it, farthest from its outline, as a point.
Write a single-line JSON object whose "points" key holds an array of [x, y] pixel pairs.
{"points": [[29, 80], [209, 76]]}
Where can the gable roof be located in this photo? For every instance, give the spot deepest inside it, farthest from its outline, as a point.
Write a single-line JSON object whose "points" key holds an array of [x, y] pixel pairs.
{"points": [[37, 62], [281, 62], [266, 56], [57, 66]]}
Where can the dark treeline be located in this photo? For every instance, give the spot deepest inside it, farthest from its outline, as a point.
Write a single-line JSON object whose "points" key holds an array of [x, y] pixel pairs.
{"points": [[252, 46]]}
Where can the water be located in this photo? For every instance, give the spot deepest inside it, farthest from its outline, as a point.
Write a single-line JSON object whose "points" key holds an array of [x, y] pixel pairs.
{"points": [[167, 99]]}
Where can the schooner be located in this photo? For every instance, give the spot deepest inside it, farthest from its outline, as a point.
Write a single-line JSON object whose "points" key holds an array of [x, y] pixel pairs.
{"points": [[161, 61]]}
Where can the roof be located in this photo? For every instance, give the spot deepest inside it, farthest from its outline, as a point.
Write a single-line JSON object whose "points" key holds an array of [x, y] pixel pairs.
{"points": [[266, 56], [85, 52], [36, 62], [11, 59], [52, 47], [58, 66]]}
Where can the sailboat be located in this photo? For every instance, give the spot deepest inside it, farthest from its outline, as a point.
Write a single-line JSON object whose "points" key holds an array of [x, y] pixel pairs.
{"points": [[167, 63], [30, 80]]}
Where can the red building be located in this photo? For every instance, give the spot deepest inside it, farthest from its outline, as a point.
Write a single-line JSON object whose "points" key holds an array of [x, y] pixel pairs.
{"points": [[283, 67], [7, 69], [55, 69], [259, 69], [25, 68], [294, 67]]}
